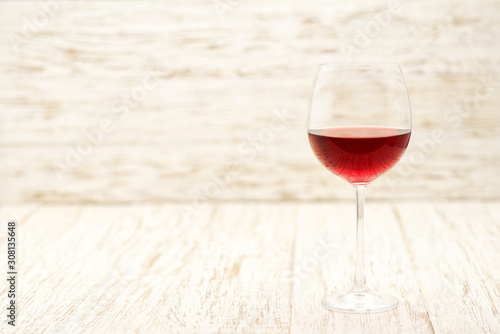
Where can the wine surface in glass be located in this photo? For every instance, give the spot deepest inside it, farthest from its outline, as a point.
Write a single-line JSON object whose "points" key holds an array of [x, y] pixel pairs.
{"points": [[359, 154]]}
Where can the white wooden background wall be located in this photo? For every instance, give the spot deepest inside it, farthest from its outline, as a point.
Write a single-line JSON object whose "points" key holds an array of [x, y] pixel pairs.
{"points": [[220, 81]]}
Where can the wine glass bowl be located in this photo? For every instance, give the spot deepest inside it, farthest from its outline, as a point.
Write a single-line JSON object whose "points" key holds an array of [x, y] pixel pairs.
{"points": [[358, 154], [359, 126]]}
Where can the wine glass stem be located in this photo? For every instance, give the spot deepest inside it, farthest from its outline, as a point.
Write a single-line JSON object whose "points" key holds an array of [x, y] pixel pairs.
{"points": [[359, 277]]}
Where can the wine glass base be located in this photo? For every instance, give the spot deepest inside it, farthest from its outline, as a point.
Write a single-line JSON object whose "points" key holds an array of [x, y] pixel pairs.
{"points": [[360, 302]]}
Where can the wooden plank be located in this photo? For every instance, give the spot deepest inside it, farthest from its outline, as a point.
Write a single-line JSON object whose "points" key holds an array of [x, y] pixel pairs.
{"points": [[454, 249], [388, 268], [123, 269]]}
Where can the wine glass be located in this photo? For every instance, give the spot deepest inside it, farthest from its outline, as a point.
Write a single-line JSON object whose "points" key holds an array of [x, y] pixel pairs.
{"points": [[359, 126]]}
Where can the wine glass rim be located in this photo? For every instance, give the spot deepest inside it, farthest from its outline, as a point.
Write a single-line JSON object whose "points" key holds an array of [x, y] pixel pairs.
{"points": [[358, 64]]}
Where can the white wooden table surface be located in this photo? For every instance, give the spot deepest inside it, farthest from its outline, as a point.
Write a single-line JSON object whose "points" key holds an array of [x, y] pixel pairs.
{"points": [[254, 268]]}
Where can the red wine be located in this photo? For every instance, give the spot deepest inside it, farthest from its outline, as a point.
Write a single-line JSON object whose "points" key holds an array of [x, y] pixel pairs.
{"points": [[359, 154]]}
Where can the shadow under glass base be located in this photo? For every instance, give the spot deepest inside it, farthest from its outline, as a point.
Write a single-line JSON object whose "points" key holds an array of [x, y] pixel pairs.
{"points": [[360, 302]]}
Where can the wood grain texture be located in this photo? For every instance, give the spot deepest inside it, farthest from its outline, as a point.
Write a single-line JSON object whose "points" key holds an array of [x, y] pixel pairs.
{"points": [[458, 274], [388, 267], [255, 268], [128, 270], [220, 81]]}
